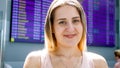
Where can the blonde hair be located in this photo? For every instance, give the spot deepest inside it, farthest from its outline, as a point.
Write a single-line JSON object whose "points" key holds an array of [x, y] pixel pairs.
{"points": [[50, 40]]}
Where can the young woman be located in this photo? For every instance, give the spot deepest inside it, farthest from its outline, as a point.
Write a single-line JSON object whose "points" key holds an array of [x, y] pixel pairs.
{"points": [[65, 38]]}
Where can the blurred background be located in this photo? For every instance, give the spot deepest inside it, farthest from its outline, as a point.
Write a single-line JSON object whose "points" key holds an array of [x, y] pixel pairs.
{"points": [[22, 29]]}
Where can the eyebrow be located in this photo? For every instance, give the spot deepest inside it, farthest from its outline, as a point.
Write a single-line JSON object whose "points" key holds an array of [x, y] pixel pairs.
{"points": [[65, 18], [61, 19], [76, 17]]}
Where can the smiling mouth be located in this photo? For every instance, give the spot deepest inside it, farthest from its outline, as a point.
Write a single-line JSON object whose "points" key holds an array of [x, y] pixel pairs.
{"points": [[70, 35]]}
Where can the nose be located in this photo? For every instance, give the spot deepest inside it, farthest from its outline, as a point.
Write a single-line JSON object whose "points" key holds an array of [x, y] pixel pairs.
{"points": [[70, 27]]}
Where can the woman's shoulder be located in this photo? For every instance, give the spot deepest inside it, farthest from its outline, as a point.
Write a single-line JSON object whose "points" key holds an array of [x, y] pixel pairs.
{"points": [[33, 60], [94, 55], [98, 60], [34, 54]]}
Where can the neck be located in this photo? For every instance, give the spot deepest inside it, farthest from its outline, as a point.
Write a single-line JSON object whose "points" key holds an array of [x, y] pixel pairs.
{"points": [[68, 52]]}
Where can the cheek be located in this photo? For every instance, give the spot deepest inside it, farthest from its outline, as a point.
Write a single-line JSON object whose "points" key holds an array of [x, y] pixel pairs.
{"points": [[57, 31], [80, 29]]}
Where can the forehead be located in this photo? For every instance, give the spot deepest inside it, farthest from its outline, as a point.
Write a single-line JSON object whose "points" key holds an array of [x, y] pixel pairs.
{"points": [[66, 11]]}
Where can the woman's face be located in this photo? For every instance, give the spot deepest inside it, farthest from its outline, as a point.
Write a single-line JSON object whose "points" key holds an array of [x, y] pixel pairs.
{"points": [[67, 26]]}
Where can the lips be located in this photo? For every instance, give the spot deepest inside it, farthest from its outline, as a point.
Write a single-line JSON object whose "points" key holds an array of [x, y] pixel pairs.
{"points": [[70, 35]]}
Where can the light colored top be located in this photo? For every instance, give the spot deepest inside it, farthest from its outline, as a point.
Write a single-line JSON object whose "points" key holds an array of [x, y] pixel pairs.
{"points": [[117, 64], [87, 61]]}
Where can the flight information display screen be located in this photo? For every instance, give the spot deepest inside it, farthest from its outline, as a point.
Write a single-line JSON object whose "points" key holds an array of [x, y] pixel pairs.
{"points": [[100, 22], [28, 18]]}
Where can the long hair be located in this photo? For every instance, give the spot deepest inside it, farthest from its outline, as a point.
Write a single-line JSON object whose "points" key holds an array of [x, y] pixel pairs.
{"points": [[50, 40]]}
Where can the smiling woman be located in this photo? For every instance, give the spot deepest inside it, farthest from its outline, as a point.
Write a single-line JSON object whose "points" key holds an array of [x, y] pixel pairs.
{"points": [[65, 40], [67, 28]]}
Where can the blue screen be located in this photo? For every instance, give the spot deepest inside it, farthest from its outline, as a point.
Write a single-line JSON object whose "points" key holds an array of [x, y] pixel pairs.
{"points": [[28, 18], [100, 22]]}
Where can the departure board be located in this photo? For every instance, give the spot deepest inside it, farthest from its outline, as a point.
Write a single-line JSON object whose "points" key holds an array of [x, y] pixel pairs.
{"points": [[100, 22], [28, 18]]}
